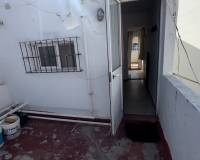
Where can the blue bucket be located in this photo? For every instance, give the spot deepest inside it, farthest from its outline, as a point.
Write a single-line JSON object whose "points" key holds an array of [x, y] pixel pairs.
{"points": [[1, 137]]}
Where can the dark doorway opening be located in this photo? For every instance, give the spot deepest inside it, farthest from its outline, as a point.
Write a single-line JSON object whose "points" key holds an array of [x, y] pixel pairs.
{"points": [[141, 26], [141, 32]]}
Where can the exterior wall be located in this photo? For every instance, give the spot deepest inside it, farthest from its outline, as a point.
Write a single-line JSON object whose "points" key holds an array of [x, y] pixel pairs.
{"points": [[5, 99], [178, 106], [188, 28], [179, 116], [86, 93]]}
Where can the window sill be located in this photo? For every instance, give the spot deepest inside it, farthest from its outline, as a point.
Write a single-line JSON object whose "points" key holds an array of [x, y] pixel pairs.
{"points": [[187, 92], [58, 70]]}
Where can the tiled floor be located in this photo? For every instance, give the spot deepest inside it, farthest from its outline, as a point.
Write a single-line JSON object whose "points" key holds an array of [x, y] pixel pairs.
{"points": [[50, 140], [137, 100]]}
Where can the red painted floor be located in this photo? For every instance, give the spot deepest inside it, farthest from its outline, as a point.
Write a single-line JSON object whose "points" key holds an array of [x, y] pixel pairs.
{"points": [[50, 140]]}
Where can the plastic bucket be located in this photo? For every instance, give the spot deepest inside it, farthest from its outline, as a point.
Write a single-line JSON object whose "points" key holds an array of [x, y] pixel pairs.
{"points": [[11, 126], [1, 137]]}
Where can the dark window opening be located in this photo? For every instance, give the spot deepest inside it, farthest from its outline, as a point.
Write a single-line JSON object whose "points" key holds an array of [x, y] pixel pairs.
{"points": [[47, 56], [67, 55]]}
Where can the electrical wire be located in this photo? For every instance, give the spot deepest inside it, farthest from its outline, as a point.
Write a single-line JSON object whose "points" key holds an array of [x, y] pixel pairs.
{"points": [[185, 50], [182, 44]]}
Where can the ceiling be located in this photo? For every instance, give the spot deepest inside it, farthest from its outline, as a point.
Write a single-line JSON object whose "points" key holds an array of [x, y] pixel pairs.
{"points": [[136, 6]]}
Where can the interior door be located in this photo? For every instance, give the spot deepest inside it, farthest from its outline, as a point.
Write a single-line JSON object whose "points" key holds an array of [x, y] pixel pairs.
{"points": [[115, 62]]}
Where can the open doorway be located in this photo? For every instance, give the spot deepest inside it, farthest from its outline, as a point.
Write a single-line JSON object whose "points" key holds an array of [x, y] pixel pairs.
{"points": [[135, 60], [140, 26]]}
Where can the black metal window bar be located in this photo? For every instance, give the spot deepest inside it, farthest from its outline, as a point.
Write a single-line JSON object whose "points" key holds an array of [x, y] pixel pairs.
{"points": [[51, 55]]}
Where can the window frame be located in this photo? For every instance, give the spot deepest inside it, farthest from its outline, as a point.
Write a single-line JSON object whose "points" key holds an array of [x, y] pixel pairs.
{"points": [[58, 64], [32, 59], [75, 57], [57, 55], [37, 53]]}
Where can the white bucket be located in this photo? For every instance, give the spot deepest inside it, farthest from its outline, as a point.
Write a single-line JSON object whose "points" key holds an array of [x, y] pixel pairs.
{"points": [[11, 125]]}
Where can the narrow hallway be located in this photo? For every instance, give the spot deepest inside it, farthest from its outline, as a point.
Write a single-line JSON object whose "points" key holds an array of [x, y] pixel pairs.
{"points": [[137, 100]]}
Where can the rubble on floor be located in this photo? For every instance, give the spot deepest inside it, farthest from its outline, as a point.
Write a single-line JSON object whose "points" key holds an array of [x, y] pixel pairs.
{"points": [[50, 140]]}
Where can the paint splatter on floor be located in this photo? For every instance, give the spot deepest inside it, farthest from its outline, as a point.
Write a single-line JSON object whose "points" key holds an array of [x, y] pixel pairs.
{"points": [[48, 140]]}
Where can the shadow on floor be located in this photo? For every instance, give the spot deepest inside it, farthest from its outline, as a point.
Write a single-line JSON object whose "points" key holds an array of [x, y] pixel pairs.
{"points": [[142, 132]]}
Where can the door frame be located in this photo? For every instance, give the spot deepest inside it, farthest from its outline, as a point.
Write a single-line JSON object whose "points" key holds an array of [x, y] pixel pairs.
{"points": [[161, 70], [109, 58], [163, 9]]}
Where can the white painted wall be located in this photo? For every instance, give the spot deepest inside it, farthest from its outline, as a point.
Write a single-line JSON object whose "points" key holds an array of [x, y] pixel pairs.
{"points": [[188, 28], [1, 79], [59, 92], [178, 105], [179, 114], [5, 99]]}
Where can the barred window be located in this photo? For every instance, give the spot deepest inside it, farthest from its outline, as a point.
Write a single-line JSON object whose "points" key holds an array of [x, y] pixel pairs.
{"points": [[67, 55], [46, 56]]}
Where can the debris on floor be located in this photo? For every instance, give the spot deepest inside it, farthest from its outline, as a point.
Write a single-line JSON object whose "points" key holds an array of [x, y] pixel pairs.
{"points": [[49, 140]]}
